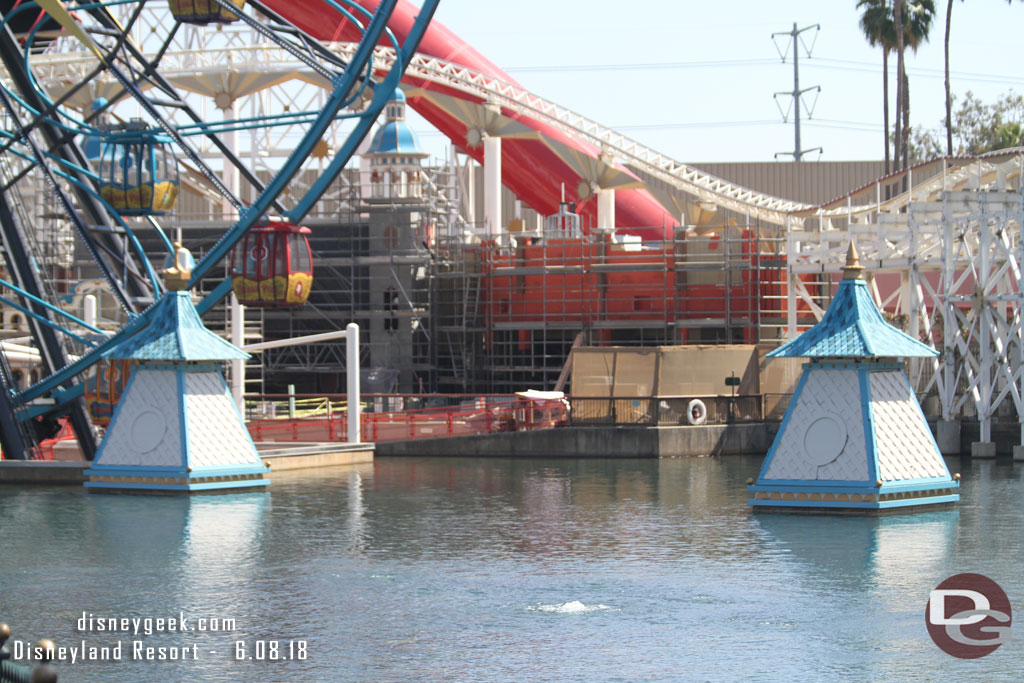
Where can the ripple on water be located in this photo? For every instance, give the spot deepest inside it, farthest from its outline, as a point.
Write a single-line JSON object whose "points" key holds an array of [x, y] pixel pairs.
{"points": [[574, 607]]}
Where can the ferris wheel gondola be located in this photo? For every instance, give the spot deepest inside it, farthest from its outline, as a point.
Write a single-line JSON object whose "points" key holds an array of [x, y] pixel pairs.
{"points": [[273, 266], [138, 171]]}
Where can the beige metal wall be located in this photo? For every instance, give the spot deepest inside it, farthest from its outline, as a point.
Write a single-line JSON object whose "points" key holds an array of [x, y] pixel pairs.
{"points": [[812, 182]]}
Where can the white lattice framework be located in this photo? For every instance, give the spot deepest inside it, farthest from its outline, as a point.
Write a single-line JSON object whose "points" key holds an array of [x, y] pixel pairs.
{"points": [[955, 243]]}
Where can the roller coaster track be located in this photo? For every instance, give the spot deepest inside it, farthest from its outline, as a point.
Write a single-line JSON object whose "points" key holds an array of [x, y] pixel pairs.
{"points": [[702, 186]]}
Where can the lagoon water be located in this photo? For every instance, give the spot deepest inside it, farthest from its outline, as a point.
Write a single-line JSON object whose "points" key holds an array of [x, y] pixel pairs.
{"points": [[506, 570]]}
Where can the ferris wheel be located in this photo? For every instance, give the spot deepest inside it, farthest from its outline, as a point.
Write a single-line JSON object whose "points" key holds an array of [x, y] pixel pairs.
{"points": [[103, 132]]}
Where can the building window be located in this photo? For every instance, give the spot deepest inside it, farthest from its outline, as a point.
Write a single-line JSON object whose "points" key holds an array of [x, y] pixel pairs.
{"points": [[391, 305]]}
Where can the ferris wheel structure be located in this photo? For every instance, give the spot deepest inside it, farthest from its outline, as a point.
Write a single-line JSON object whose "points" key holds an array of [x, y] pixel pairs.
{"points": [[92, 115]]}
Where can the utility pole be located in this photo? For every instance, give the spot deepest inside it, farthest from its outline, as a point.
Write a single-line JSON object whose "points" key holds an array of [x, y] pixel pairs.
{"points": [[797, 93]]}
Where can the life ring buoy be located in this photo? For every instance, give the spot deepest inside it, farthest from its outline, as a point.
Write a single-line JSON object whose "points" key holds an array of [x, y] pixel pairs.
{"points": [[696, 412]]}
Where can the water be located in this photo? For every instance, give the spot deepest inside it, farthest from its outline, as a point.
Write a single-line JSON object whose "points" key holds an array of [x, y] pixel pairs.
{"points": [[507, 570]]}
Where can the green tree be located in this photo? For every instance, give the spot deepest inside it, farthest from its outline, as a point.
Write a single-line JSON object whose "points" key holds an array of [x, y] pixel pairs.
{"points": [[976, 128]]}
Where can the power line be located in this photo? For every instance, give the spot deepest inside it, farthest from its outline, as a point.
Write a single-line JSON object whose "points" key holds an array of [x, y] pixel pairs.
{"points": [[821, 63], [639, 66]]}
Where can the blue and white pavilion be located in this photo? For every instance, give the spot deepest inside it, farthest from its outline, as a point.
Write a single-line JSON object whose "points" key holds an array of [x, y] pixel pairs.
{"points": [[854, 439], [395, 156], [176, 428]]}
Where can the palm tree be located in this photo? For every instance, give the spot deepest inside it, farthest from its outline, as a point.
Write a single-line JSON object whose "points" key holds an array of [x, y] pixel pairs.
{"points": [[949, 98], [877, 24], [913, 22], [892, 31]]}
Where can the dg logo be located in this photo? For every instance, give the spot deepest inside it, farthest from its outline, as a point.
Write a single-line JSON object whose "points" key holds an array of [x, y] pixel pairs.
{"points": [[968, 616]]}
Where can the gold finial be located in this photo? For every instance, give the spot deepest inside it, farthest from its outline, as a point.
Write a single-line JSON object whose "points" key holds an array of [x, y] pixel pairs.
{"points": [[853, 270], [176, 277]]}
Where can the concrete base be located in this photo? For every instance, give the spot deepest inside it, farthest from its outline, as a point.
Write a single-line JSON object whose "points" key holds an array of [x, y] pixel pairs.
{"points": [[293, 456], [277, 456], [983, 449], [1018, 453], [947, 436], [596, 442], [42, 472]]}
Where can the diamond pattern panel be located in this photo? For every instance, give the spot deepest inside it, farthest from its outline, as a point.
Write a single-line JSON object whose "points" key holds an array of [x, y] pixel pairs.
{"points": [[216, 435], [831, 393], [852, 327], [175, 332], [906, 449], [149, 416]]}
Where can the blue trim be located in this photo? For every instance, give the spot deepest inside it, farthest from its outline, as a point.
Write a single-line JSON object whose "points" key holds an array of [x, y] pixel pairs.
{"points": [[868, 420], [907, 502], [785, 421], [182, 416], [854, 505], [175, 471], [184, 488], [136, 470], [227, 470], [919, 484], [814, 485]]}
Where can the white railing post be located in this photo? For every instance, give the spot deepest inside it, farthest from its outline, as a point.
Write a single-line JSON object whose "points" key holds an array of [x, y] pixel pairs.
{"points": [[352, 373]]}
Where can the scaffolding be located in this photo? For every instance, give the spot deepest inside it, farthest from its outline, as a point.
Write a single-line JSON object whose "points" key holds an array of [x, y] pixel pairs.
{"points": [[508, 312]]}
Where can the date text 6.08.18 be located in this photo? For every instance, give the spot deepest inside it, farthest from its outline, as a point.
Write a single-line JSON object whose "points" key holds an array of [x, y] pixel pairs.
{"points": [[270, 650]]}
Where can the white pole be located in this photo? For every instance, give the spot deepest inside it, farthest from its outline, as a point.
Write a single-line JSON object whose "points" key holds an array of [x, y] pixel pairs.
{"points": [[237, 365], [90, 309], [352, 372], [606, 210], [233, 181], [470, 188], [492, 185]]}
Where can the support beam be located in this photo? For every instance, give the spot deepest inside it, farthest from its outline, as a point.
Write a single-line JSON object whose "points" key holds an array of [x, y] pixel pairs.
{"points": [[492, 184]]}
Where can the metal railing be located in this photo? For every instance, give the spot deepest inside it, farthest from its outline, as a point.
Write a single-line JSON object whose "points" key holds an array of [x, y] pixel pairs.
{"points": [[385, 417], [402, 417]]}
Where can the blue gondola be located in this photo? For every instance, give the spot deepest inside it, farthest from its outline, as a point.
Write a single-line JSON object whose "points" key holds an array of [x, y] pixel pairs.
{"points": [[138, 171]]}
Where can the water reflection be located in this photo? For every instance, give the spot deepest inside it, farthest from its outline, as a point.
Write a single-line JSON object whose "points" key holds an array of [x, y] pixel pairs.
{"points": [[461, 569], [879, 553]]}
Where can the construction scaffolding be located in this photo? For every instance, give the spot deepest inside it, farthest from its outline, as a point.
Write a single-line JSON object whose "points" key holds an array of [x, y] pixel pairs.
{"points": [[508, 312]]}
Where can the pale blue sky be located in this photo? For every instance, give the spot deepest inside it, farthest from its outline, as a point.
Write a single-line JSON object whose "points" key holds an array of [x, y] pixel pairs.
{"points": [[710, 69]]}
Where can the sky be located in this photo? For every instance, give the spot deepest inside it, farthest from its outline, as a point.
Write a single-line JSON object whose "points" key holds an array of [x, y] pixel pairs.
{"points": [[695, 81]]}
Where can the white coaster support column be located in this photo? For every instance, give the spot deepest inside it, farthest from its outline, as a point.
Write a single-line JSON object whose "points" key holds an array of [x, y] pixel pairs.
{"points": [[492, 181]]}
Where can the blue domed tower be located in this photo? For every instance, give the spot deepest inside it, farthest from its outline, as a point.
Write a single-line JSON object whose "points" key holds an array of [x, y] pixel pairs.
{"points": [[395, 156], [854, 439]]}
